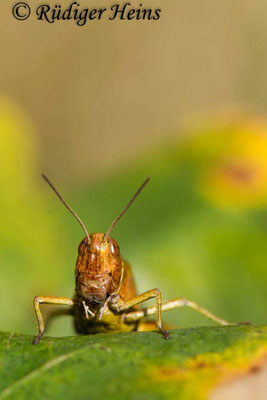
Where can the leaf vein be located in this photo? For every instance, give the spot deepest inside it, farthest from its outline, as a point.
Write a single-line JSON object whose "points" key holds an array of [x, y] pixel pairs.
{"points": [[45, 367]]}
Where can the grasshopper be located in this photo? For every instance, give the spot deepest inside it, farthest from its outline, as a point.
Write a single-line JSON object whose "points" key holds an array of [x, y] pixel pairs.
{"points": [[105, 298]]}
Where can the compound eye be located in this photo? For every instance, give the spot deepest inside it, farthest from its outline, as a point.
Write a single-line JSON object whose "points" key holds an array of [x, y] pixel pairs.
{"points": [[114, 248], [82, 246]]}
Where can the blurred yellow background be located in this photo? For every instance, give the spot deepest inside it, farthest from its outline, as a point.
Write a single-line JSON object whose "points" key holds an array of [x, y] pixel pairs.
{"points": [[100, 107]]}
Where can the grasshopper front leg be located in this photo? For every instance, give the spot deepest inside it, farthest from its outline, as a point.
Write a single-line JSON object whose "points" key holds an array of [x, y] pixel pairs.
{"points": [[46, 300], [119, 305]]}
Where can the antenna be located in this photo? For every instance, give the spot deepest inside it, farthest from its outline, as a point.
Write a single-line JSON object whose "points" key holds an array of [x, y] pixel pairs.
{"points": [[67, 206], [126, 208]]}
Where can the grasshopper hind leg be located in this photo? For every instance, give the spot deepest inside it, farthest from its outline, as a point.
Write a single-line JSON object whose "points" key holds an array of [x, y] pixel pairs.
{"points": [[170, 305]]}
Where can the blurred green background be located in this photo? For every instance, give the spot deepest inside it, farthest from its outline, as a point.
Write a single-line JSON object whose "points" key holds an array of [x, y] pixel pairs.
{"points": [[100, 108]]}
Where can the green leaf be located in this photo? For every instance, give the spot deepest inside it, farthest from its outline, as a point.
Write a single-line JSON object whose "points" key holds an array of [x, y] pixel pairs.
{"points": [[140, 365]]}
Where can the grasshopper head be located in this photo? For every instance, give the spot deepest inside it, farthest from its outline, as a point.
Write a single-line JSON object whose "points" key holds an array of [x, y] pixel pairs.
{"points": [[99, 263], [98, 268]]}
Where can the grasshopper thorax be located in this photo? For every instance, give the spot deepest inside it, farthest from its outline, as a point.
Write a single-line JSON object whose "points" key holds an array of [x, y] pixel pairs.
{"points": [[98, 268]]}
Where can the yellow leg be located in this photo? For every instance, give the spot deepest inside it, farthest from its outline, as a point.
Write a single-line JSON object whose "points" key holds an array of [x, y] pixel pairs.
{"points": [[170, 305], [119, 305], [46, 300]]}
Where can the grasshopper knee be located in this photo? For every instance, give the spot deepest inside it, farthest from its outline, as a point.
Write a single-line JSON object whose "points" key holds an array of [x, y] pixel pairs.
{"points": [[185, 302], [36, 300], [157, 292]]}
